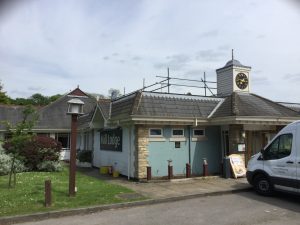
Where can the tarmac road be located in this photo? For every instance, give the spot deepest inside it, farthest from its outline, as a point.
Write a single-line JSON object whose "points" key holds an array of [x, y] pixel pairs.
{"points": [[246, 208]]}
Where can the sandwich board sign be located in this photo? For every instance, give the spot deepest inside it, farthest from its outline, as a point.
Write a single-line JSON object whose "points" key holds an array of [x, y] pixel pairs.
{"points": [[237, 165]]}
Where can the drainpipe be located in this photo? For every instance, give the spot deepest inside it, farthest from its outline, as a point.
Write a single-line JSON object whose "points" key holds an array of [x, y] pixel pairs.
{"points": [[189, 129], [129, 154]]}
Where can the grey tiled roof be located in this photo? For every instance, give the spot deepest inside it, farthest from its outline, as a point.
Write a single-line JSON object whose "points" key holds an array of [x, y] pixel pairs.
{"points": [[147, 104], [246, 104], [104, 105], [123, 107], [84, 120], [293, 106], [54, 116], [11, 113], [170, 105]]}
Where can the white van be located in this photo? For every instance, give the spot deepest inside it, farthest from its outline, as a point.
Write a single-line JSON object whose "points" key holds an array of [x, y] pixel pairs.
{"points": [[277, 166]]}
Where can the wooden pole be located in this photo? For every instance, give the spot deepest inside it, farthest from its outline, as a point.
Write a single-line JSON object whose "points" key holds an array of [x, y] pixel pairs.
{"points": [[48, 196], [72, 175]]}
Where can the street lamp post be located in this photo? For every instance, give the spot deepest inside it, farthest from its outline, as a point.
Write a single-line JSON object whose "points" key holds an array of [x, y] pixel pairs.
{"points": [[75, 108]]}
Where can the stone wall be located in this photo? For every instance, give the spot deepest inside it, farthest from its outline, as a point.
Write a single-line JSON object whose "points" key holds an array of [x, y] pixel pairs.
{"points": [[141, 153]]}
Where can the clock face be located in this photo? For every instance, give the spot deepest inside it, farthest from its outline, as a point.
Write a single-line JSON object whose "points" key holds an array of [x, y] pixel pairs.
{"points": [[241, 81]]}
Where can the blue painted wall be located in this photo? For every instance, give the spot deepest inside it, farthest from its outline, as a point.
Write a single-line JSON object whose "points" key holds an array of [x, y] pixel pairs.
{"points": [[210, 148]]}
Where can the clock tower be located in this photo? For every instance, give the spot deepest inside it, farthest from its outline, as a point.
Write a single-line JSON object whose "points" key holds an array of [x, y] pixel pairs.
{"points": [[233, 77]]}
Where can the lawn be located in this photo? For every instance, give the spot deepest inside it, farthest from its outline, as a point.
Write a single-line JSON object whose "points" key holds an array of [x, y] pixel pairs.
{"points": [[28, 195]]}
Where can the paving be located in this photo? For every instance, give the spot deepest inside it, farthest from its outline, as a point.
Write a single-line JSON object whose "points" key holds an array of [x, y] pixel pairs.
{"points": [[161, 189], [156, 191]]}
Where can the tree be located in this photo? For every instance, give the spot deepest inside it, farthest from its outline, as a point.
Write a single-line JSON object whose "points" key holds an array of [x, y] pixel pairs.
{"points": [[4, 99], [54, 97], [114, 93], [36, 99], [21, 101], [39, 99], [21, 133]]}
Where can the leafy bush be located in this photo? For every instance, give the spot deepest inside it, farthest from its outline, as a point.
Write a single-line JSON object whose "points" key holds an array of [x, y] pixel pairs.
{"points": [[50, 166], [85, 156], [37, 150], [5, 164]]}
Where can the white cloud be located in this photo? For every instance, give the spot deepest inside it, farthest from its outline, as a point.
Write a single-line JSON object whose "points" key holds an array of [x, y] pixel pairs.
{"points": [[55, 45]]}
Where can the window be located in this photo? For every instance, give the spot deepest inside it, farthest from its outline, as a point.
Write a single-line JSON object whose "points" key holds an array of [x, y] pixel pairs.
{"points": [[281, 147], [177, 132], [198, 133], [86, 141], [64, 139], [155, 132]]}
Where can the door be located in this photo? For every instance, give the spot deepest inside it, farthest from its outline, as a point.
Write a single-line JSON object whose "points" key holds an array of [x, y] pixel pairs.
{"points": [[280, 162]]}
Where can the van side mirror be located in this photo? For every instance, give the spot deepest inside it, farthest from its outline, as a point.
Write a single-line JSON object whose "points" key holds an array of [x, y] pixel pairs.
{"points": [[261, 157]]}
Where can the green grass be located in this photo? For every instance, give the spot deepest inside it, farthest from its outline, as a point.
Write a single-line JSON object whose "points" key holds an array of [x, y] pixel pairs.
{"points": [[28, 195]]}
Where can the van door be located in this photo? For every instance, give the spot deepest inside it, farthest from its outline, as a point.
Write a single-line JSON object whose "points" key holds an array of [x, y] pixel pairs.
{"points": [[297, 145], [280, 162]]}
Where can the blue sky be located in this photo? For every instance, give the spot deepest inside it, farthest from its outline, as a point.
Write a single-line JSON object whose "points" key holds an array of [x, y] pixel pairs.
{"points": [[51, 46]]}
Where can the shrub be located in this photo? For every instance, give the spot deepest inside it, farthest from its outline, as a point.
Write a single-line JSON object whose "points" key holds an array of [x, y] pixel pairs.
{"points": [[5, 164], [38, 150], [85, 156], [50, 166]]}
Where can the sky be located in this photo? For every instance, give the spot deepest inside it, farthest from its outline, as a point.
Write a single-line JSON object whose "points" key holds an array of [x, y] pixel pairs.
{"points": [[51, 46]]}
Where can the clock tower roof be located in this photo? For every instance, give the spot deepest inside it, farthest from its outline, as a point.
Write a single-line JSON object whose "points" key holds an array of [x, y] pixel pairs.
{"points": [[234, 62]]}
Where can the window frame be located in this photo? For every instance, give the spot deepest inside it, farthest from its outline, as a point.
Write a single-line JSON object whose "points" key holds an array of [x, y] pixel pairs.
{"points": [[178, 136], [154, 136], [198, 136]]}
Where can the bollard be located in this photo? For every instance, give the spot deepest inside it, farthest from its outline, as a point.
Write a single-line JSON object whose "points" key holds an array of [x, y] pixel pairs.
{"points": [[170, 172], [205, 168], [148, 172], [170, 169], [48, 197], [226, 167], [221, 168], [188, 170]]}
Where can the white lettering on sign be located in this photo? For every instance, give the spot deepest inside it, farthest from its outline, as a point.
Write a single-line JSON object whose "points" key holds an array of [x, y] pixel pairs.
{"points": [[107, 139]]}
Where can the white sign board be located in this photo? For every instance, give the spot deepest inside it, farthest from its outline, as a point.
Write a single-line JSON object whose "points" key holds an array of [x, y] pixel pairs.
{"points": [[237, 165]]}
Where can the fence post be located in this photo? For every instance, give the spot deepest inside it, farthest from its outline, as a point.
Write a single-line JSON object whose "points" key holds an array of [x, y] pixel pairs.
{"points": [[48, 197]]}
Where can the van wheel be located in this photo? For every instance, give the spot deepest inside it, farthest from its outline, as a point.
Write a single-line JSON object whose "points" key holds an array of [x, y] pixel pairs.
{"points": [[263, 185]]}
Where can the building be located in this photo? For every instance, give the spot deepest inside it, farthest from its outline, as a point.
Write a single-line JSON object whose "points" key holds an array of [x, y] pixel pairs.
{"points": [[53, 120], [143, 129], [154, 129]]}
